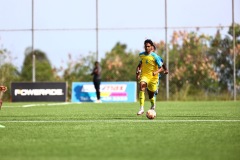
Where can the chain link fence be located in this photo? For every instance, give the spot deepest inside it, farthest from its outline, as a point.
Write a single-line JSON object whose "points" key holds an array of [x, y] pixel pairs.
{"points": [[193, 37]]}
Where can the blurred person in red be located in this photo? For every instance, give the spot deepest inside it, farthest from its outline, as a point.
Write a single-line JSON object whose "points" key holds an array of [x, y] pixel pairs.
{"points": [[2, 89]]}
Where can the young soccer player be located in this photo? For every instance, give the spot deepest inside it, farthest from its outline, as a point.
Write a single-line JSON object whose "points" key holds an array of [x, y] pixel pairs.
{"points": [[150, 67], [159, 75]]}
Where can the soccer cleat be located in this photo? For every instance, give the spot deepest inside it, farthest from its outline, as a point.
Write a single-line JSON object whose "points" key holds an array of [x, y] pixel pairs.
{"points": [[140, 112], [98, 101], [153, 108]]}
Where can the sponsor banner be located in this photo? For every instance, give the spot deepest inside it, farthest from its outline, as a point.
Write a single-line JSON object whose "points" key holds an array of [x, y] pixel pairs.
{"points": [[109, 91], [38, 91]]}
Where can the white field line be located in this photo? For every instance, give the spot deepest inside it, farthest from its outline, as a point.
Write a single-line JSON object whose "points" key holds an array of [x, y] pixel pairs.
{"points": [[44, 104], [114, 121], [1, 126]]}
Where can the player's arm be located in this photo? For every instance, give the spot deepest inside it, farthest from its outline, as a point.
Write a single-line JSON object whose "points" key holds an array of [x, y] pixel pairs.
{"points": [[163, 65], [159, 62], [138, 70], [95, 71], [165, 69], [158, 71], [3, 88], [139, 67]]}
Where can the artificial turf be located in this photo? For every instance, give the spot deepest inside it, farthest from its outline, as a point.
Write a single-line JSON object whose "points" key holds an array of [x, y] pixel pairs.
{"points": [[113, 131]]}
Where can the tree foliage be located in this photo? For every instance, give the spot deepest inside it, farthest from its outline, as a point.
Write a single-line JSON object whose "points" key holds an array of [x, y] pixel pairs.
{"points": [[119, 65], [8, 72], [78, 70], [190, 69], [198, 65], [222, 52], [201, 64], [43, 69]]}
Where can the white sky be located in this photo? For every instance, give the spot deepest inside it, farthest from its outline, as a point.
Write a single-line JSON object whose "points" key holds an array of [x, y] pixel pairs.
{"points": [[81, 14]]}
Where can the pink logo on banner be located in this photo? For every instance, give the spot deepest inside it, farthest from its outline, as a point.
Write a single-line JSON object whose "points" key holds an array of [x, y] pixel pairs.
{"points": [[118, 94]]}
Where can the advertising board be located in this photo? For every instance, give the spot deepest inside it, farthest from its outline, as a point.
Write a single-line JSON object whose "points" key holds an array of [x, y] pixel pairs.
{"points": [[109, 92], [38, 91]]}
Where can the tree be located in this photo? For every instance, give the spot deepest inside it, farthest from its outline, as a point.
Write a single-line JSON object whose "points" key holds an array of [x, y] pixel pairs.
{"points": [[44, 71], [222, 52], [190, 69], [8, 72], [237, 51], [237, 30], [119, 65], [79, 70]]}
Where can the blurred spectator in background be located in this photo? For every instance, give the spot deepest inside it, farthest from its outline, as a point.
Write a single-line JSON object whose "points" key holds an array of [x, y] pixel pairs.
{"points": [[2, 89], [97, 80]]}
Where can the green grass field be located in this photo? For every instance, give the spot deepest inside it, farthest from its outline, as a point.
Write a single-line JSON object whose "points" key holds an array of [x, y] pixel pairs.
{"points": [[113, 131]]}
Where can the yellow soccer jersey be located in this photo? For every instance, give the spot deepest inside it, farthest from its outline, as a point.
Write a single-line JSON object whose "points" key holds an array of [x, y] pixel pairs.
{"points": [[150, 63]]}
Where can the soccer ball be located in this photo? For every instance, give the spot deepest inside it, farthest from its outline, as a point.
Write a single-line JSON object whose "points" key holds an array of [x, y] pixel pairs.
{"points": [[151, 114]]}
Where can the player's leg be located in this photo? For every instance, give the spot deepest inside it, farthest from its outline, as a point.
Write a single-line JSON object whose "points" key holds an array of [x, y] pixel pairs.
{"points": [[98, 90], [155, 96], [152, 88], [152, 98], [97, 86], [143, 86], [156, 92]]}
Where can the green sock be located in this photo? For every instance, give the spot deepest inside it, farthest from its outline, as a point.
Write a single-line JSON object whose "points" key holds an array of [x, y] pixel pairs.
{"points": [[141, 98], [152, 100]]}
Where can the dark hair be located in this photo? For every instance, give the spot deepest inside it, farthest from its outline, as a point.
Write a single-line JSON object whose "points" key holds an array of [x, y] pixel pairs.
{"points": [[148, 41], [154, 47]]}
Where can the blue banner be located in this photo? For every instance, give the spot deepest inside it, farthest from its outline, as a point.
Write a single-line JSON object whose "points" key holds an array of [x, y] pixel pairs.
{"points": [[109, 92]]}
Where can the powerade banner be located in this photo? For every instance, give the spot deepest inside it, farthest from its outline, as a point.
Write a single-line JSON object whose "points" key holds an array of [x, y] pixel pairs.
{"points": [[109, 91], [38, 91]]}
